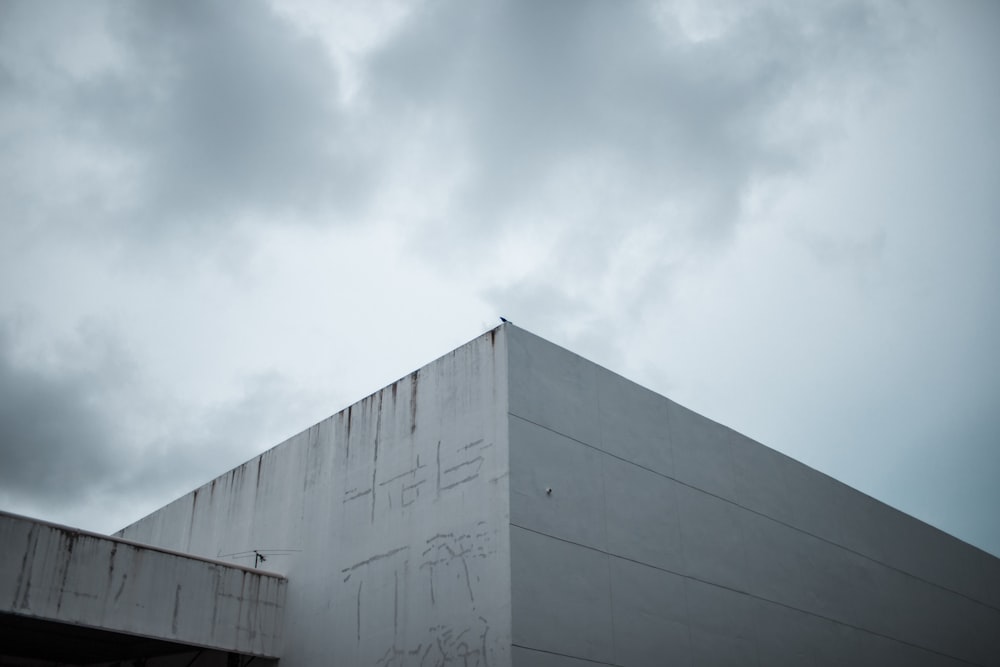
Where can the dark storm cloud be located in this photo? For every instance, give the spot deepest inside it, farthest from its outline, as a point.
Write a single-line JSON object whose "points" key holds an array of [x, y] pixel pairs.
{"points": [[206, 110], [534, 87], [235, 109], [56, 435], [77, 420], [182, 116]]}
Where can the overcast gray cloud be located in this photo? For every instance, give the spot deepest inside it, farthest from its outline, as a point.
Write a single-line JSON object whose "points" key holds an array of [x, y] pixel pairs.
{"points": [[192, 114], [632, 134], [221, 224], [55, 435], [620, 106], [79, 425]]}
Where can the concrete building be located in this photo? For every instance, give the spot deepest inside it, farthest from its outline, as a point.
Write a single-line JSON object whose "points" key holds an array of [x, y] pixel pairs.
{"points": [[512, 503]]}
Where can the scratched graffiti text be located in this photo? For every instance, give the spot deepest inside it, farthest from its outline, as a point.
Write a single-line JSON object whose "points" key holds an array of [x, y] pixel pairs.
{"points": [[465, 647], [389, 485], [448, 557]]}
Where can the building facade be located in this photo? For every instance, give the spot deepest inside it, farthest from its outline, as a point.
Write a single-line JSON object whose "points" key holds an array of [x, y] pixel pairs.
{"points": [[512, 503]]}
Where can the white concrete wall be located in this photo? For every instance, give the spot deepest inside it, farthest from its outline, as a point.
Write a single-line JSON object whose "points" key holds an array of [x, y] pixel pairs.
{"points": [[58, 574], [390, 519], [669, 539]]}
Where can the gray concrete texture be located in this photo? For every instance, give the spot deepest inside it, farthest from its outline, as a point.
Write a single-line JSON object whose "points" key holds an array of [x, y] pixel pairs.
{"points": [[390, 520], [669, 539], [54, 574]]}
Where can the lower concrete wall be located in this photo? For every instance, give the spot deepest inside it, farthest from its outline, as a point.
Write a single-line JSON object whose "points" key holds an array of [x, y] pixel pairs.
{"points": [[645, 534], [56, 574]]}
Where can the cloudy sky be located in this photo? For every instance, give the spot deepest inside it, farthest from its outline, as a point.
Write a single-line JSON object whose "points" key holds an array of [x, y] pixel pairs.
{"points": [[222, 222]]}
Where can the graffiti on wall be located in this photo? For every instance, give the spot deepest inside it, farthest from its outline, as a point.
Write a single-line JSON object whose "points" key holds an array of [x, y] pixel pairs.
{"points": [[445, 645], [394, 485], [438, 579]]}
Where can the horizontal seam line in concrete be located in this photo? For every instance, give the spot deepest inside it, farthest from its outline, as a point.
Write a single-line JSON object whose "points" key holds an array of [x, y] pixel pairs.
{"points": [[748, 594], [141, 545], [771, 518], [565, 655]]}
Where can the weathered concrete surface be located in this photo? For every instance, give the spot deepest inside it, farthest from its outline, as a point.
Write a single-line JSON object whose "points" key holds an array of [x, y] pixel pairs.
{"points": [[55, 574], [670, 539], [513, 503], [391, 520]]}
